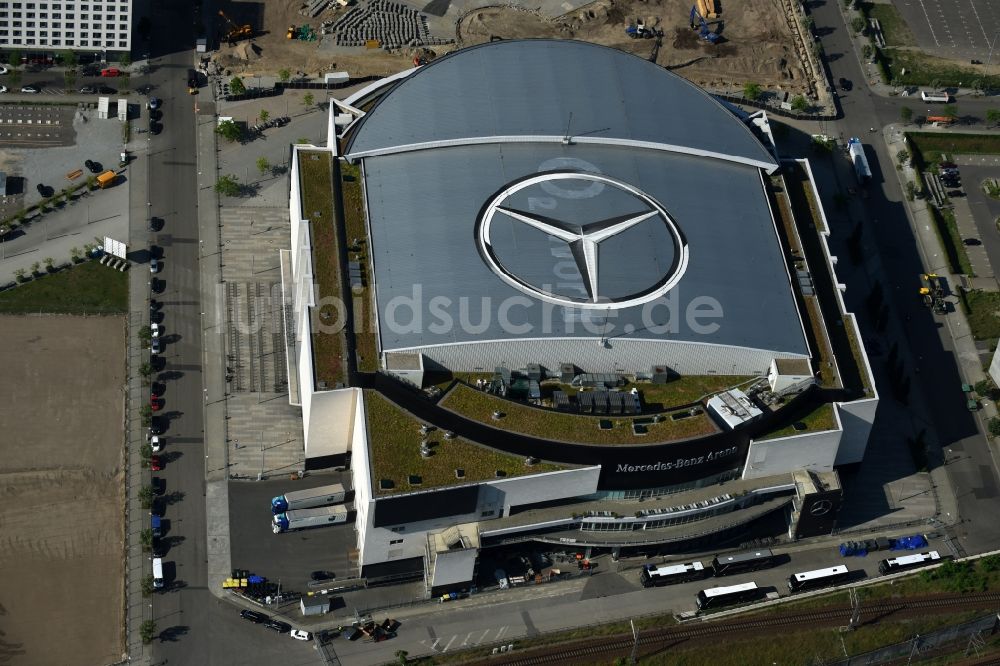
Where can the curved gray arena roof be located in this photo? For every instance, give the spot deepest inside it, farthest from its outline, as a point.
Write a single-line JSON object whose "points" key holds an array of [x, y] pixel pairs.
{"points": [[526, 90]]}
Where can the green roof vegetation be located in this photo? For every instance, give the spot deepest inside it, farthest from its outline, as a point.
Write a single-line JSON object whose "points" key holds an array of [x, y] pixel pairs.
{"points": [[576, 428], [818, 420], [355, 228], [317, 207], [394, 440], [87, 288]]}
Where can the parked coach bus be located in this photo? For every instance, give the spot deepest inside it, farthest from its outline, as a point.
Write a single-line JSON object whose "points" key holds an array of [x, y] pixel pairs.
{"points": [[725, 596], [942, 97], [671, 574], [727, 565], [905, 562], [811, 580]]}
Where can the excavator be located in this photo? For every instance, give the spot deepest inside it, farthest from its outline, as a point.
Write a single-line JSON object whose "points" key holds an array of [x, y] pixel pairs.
{"points": [[235, 32]]}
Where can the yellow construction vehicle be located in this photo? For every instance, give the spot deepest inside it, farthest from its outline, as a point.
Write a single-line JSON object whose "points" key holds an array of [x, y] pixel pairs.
{"points": [[235, 32], [291, 33]]}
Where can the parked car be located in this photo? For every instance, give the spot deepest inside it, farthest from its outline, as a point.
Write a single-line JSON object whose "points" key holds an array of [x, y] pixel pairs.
{"points": [[154, 265], [155, 329], [107, 90], [31, 90], [110, 72], [91, 70], [155, 404], [156, 443], [3, 69], [300, 634], [93, 167], [845, 84], [159, 486], [157, 426], [155, 223], [155, 346], [157, 285], [3, 89], [88, 90], [154, 103], [956, 193], [948, 165], [254, 616], [279, 626], [972, 241], [155, 463]]}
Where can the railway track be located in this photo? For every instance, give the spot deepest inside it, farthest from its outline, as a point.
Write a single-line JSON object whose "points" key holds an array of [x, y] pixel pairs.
{"points": [[654, 640]]}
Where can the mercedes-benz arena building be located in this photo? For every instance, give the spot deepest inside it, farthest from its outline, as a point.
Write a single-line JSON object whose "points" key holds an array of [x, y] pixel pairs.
{"points": [[551, 204], [558, 202]]}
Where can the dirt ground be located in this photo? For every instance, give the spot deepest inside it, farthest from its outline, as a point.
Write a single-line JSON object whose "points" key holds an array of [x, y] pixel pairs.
{"points": [[61, 490], [757, 44]]}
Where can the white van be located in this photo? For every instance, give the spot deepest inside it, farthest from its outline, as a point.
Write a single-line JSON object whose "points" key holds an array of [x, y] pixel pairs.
{"points": [[157, 573]]}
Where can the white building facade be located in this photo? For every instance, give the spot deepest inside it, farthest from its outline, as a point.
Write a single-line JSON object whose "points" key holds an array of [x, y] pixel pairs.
{"points": [[89, 25]]}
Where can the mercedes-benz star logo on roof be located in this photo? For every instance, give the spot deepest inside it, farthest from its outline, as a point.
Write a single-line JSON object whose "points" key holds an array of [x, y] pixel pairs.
{"points": [[563, 219]]}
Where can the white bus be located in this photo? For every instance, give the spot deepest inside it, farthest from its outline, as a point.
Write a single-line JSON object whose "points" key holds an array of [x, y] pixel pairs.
{"points": [[905, 562], [669, 574], [810, 580], [942, 97], [157, 573], [725, 596]]}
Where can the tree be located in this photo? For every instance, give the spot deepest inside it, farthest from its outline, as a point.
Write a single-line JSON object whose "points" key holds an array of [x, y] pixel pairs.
{"points": [[752, 91], [19, 274], [146, 539], [902, 156], [227, 186], [229, 130], [263, 165], [125, 60], [146, 497], [236, 86], [906, 114], [146, 585], [264, 115], [992, 116], [74, 255], [146, 451], [146, 413], [858, 24], [145, 370], [867, 51], [147, 630], [284, 75], [49, 264], [69, 77], [994, 427], [799, 103], [35, 268], [145, 333], [401, 657], [68, 58], [308, 99]]}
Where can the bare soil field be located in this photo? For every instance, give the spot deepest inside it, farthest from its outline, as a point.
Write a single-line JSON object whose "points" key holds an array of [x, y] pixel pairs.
{"points": [[758, 42], [61, 490]]}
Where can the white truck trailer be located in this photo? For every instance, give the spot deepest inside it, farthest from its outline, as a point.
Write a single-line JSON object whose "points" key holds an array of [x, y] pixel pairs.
{"points": [[306, 499], [298, 519]]}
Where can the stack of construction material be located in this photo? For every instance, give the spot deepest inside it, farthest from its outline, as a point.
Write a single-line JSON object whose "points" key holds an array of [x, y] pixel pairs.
{"points": [[391, 24]]}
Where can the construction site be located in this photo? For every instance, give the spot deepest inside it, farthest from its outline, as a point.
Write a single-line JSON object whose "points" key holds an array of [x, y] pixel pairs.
{"points": [[713, 43]]}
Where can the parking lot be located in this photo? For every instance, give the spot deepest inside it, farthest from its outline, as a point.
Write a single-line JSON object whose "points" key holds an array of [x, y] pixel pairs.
{"points": [[957, 28], [292, 556]]}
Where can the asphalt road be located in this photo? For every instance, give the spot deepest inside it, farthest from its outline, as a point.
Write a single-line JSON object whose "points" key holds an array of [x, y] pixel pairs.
{"points": [[970, 465], [181, 610]]}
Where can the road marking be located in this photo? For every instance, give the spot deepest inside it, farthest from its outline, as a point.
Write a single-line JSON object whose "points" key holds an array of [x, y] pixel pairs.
{"points": [[936, 42], [980, 21], [501, 631], [445, 648]]}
